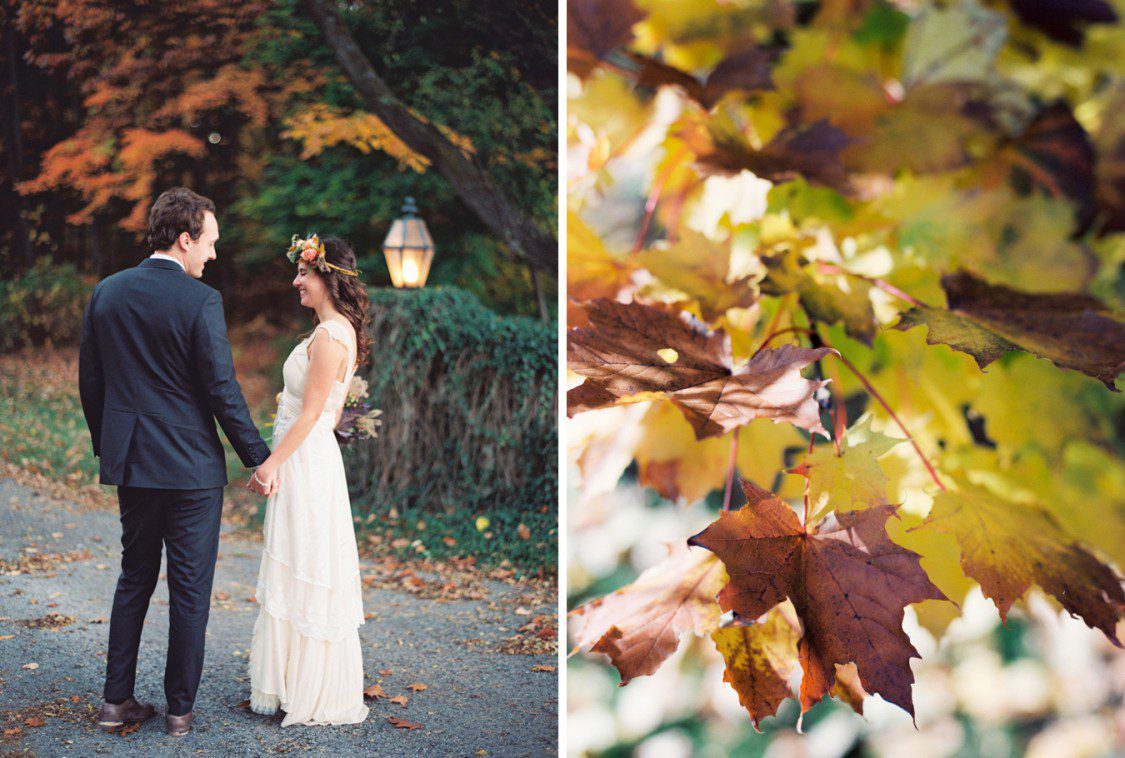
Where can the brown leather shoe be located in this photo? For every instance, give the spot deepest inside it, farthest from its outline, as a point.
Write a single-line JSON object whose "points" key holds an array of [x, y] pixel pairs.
{"points": [[178, 726], [129, 712]]}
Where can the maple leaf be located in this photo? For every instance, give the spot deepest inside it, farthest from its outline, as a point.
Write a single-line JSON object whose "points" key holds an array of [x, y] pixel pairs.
{"points": [[1072, 331], [701, 269], [399, 700], [417, 687], [1061, 19], [851, 480], [822, 296], [594, 28], [592, 271], [34, 721], [375, 691], [1008, 546], [758, 658], [847, 581], [1054, 154], [672, 461], [811, 151], [747, 70], [640, 625], [633, 351], [404, 723]]}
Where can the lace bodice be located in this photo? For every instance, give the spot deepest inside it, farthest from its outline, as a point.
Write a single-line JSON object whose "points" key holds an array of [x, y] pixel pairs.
{"points": [[296, 371]]}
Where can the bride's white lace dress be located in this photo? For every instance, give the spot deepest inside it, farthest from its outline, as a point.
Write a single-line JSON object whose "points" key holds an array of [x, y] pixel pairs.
{"points": [[305, 657]]}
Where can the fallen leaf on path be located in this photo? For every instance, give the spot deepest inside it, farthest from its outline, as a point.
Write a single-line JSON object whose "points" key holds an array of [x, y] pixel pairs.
{"points": [[399, 700], [243, 704], [31, 666], [375, 691], [404, 723], [34, 721], [542, 667], [417, 687], [13, 730], [128, 729], [386, 672]]}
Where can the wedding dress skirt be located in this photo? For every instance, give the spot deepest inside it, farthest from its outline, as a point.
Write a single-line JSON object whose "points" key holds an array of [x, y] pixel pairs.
{"points": [[305, 656]]}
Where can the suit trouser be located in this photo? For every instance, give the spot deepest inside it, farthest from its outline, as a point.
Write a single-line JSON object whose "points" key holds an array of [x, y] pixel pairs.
{"points": [[187, 522]]}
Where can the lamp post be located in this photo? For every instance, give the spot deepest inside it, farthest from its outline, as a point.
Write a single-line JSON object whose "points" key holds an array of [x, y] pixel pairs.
{"points": [[409, 249]]}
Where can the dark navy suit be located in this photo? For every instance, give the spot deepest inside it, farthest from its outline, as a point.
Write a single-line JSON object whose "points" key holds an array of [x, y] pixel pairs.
{"points": [[155, 373]]}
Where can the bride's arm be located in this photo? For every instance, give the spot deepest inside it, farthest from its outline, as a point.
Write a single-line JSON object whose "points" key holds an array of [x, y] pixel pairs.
{"points": [[325, 357]]}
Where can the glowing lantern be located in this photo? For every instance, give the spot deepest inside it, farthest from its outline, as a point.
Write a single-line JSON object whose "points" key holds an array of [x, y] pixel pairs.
{"points": [[409, 249]]}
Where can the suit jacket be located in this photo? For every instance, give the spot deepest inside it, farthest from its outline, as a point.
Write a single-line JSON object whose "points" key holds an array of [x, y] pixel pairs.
{"points": [[155, 373]]}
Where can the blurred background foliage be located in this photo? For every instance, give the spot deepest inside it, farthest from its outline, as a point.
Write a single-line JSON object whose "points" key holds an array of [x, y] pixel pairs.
{"points": [[108, 103], [888, 142]]}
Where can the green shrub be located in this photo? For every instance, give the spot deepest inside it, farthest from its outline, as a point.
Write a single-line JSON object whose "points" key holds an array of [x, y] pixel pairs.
{"points": [[469, 409], [458, 534], [42, 306]]}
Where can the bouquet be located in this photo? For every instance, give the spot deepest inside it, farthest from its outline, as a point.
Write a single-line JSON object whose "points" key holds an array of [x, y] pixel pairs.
{"points": [[359, 420]]}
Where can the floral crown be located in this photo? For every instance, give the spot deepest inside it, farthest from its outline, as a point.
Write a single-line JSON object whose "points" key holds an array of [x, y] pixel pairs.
{"points": [[311, 251]]}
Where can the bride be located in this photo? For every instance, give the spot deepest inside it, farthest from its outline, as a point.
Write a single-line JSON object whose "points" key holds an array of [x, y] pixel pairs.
{"points": [[305, 657]]}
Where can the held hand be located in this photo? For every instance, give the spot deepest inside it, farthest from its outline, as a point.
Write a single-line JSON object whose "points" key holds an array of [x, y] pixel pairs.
{"points": [[266, 480]]}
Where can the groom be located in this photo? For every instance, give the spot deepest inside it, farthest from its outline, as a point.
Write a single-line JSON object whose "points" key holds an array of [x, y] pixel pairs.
{"points": [[155, 373]]}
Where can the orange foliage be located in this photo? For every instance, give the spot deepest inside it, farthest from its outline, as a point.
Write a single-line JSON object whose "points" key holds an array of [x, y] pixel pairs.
{"points": [[149, 78], [319, 126]]}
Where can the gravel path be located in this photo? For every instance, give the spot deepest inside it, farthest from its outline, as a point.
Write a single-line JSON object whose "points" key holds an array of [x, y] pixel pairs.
{"points": [[479, 701]]}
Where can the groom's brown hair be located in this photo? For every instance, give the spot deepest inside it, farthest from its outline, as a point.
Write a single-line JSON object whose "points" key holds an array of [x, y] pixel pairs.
{"points": [[176, 210]]}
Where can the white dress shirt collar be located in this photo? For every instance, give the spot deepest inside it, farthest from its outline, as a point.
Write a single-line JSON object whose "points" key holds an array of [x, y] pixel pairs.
{"points": [[165, 257]]}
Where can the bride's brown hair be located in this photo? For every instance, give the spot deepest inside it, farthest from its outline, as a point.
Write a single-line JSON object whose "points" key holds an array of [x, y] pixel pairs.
{"points": [[348, 293]]}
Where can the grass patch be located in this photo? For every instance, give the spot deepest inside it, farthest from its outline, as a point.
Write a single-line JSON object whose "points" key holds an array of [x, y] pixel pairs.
{"points": [[42, 429]]}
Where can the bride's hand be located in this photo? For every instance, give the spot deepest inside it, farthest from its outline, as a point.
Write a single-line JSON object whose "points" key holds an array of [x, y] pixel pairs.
{"points": [[264, 480], [267, 478]]}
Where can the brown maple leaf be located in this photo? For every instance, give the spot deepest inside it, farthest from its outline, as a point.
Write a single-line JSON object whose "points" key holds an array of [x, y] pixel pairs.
{"points": [[812, 151], [634, 351], [1072, 331], [34, 721], [847, 581], [746, 70], [417, 687], [596, 27], [399, 700], [404, 723], [375, 691], [640, 625]]}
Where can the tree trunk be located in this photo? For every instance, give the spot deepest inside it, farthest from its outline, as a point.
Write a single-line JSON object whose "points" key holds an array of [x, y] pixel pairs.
{"points": [[15, 151], [469, 180]]}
